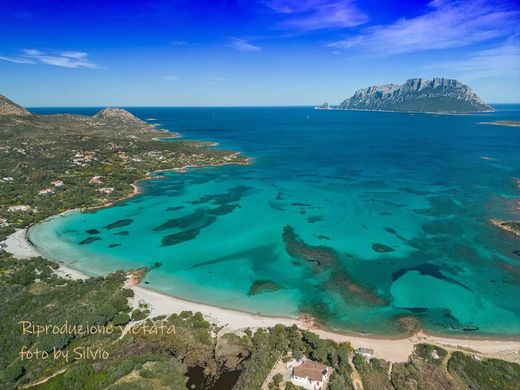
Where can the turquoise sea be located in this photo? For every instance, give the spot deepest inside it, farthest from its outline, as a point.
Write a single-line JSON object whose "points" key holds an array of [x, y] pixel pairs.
{"points": [[359, 218]]}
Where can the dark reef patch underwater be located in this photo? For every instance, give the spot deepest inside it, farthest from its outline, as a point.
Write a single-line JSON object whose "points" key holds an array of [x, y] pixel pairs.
{"points": [[371, 222]]}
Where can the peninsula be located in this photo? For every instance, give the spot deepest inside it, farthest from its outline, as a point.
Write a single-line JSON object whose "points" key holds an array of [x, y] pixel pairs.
{"points": [[439, 95], [53, 163]]}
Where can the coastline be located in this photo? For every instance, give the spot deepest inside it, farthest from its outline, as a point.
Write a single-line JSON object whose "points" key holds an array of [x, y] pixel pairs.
{"points": [[232, 320], [393, 349], [135, 185]]}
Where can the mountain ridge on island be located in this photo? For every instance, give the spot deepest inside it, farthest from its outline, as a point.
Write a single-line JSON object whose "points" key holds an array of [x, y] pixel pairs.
{"points": [[439, 95]]}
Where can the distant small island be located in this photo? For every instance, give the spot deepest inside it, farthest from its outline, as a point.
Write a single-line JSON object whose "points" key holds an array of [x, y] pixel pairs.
{"points": [[503, 123], [439, 95]]}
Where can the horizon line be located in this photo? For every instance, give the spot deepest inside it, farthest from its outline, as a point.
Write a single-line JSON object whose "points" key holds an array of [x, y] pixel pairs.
{"points": [[208, 106]]}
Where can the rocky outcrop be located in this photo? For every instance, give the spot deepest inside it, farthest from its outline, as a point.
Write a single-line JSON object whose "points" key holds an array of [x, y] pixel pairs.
{"points": [[418, 95], [512, 227], [118, 114], [324, 106], [7, 107]]}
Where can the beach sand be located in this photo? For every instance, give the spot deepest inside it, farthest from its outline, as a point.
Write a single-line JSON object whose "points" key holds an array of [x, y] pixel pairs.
{"points": [[18, 245], [390, 349]]}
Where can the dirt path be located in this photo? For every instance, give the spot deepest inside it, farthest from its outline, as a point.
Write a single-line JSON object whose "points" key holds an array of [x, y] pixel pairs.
{"points": [[390, 366], [278, 368], [356, 378], [41, 381]]}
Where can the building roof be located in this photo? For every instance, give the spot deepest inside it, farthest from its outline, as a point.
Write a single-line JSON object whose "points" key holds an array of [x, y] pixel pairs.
{"points": [[310, 369]]}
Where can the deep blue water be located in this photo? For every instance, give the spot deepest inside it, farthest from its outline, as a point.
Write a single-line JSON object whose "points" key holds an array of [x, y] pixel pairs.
{"points": [[359, 218]]}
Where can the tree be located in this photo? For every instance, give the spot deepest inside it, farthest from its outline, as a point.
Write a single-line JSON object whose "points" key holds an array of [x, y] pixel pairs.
{"points": [[106, 312], [121, 319], [14, 371], [277, 379]]}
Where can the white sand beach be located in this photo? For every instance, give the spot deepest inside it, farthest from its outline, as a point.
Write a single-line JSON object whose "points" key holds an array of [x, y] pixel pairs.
{"points": [[18, 245], [393, 350]]}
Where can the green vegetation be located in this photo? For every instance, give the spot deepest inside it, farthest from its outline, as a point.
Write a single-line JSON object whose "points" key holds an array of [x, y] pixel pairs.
{"points": [[267, 346], [433, 368], [423, 372], [277, 380], [489, 374], [32, 292], [53, 163], [374, 373]]}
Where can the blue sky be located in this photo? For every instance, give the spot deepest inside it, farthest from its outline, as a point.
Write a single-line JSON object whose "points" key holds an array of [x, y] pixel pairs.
{"points": [[250, 52]]}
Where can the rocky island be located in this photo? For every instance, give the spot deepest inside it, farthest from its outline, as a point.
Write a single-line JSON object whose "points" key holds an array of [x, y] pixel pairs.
{"points": [[439, 95]]}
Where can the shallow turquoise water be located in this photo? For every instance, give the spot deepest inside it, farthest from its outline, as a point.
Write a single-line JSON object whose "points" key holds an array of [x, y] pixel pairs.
{"points": [[385, 216]]}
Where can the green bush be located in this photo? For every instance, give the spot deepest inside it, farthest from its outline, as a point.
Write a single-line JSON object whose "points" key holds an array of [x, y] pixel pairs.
{"points": [[106, 312], [121, 319], [138, 315], [488, 374]]}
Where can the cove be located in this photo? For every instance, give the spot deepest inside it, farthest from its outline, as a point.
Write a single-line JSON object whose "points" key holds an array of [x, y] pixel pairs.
{"points": [[360, 219]]}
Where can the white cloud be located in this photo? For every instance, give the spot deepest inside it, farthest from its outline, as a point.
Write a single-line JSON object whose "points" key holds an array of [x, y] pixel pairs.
{"points": [[446, 24], [178, 43], [68, 59], [242, 45], [171, 77], [500, 61], [32, 52], [346, 43], [74, 54], [17, 60], [312, 15]]}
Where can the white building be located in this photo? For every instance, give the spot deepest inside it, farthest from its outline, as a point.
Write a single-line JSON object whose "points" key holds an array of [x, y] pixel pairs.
{"points": [[19, 208], [366, 352], [57, 183], [311, 375], [96, 180], [106, 190], [45, 191]]}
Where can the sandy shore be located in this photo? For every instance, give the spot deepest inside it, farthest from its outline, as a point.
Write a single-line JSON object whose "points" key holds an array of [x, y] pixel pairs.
{"points": [[394, 350], [18, 245]]}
